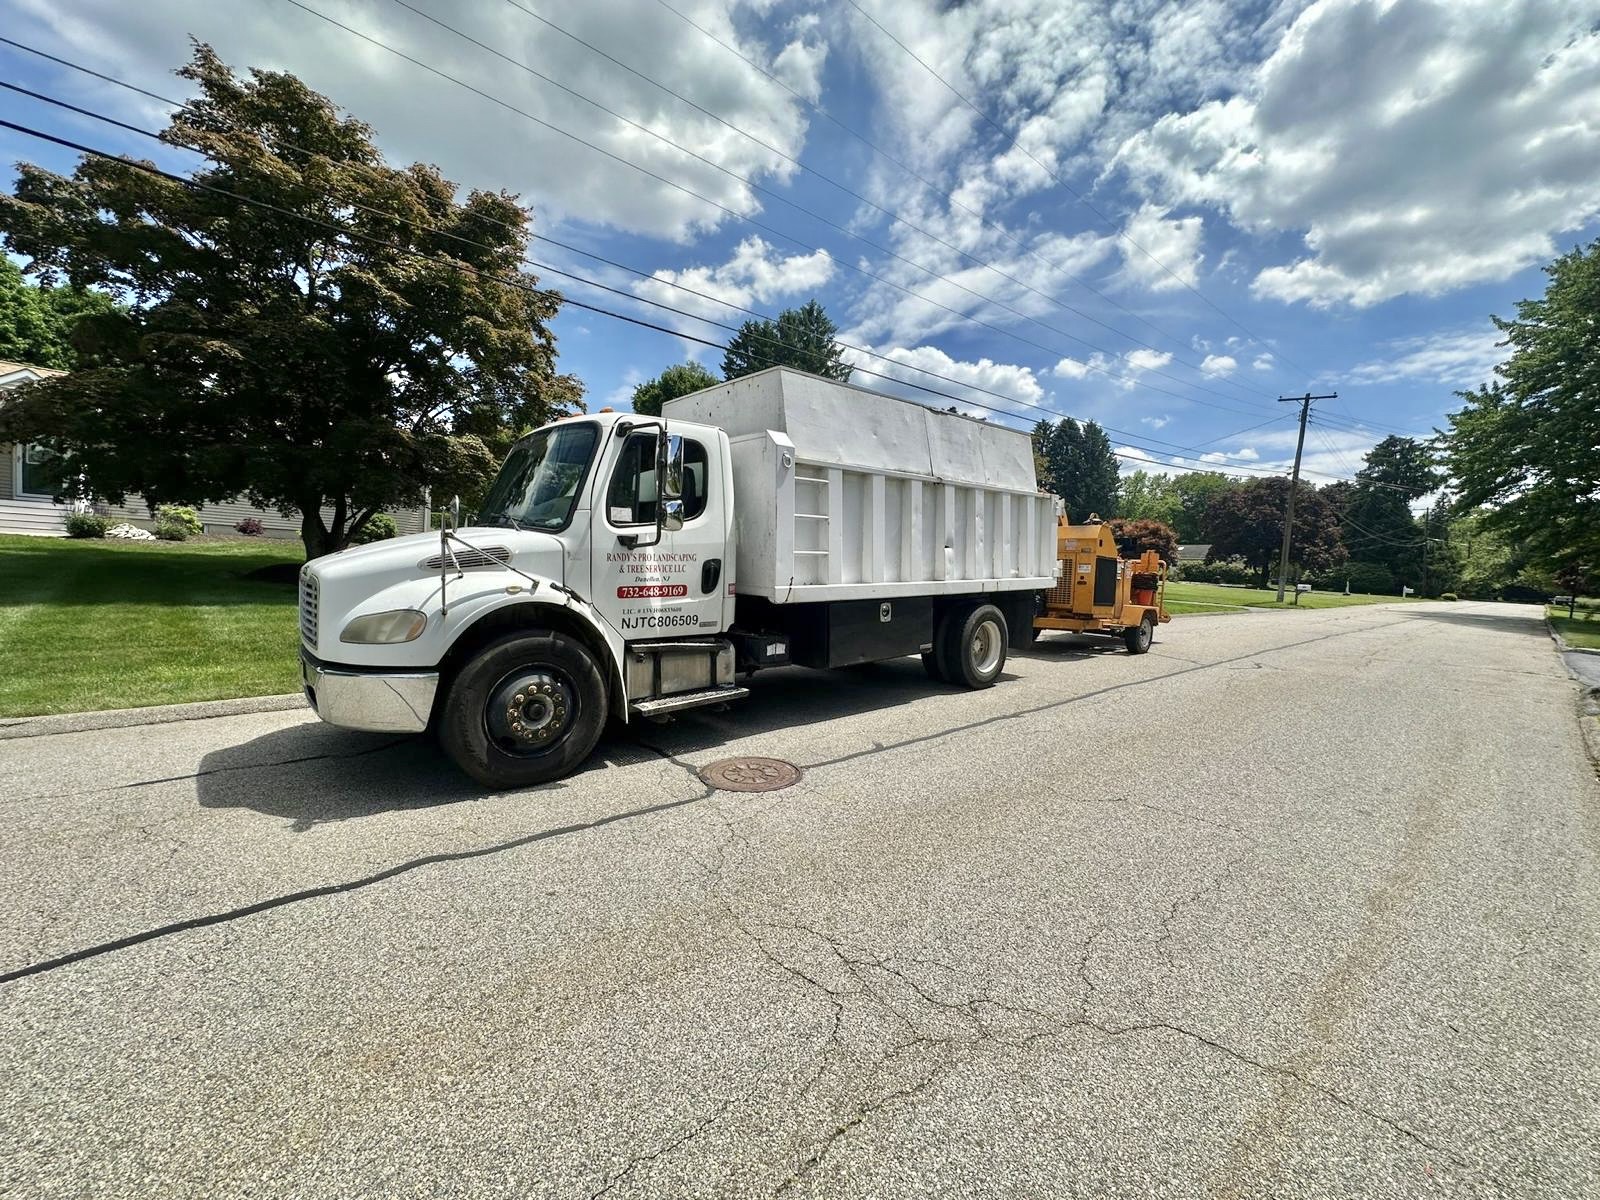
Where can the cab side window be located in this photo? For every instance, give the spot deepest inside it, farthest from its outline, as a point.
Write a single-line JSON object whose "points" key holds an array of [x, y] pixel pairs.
{"points": [[631, 498]]}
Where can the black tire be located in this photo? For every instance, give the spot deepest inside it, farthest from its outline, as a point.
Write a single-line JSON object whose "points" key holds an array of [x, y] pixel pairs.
{"points": [[930, 664], [1138, 637], [975, 646], [525, 710]]}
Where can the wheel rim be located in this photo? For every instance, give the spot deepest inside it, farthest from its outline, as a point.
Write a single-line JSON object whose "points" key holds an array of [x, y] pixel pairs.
{"points": [[1146, 631], [987, 647], [531, 711]]}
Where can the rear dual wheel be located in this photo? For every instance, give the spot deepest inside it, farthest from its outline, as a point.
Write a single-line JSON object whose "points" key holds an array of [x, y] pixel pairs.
{"points": [[969, 647]]}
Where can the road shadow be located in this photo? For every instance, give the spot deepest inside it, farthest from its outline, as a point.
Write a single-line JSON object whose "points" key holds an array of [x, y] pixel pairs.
{"points": [[1531, 625], [312, 774]]}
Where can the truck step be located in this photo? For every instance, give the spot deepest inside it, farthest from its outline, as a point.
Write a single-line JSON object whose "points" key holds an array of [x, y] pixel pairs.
{"points": [[672, 704]]}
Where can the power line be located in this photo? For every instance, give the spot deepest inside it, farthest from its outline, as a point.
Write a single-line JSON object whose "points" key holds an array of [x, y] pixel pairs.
{"points": [[1072, 191], [784, 200], [890, 213], [522, 284], [551, 269]]}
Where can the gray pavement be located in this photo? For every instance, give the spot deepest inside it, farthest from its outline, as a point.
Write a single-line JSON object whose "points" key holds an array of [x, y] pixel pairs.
{"points": [[1296, 905]]}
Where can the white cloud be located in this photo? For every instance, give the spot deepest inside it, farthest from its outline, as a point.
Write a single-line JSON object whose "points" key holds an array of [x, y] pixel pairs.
{"points": [[1263, 362], [1246, 453], [1219, 364], [754, 274], [1156, 423], [1462, 358], [1161, 253], [1417, 145], [1008, 379], [421, 117], [1147, 360]]}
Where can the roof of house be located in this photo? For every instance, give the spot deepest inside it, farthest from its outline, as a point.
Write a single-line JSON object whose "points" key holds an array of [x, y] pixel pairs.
{"points": [[1193, 551], [16, 368]]}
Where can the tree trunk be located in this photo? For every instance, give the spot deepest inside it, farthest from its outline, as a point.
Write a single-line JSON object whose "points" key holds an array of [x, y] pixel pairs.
{"points": [[1572, 603]]}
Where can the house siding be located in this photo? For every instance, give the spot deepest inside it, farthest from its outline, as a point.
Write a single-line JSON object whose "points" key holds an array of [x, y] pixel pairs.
{"points": [[6, 488], [222, 516]]}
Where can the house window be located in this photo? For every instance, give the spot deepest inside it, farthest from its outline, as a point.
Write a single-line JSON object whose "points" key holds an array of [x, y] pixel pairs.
{"points": [[33, 472]]}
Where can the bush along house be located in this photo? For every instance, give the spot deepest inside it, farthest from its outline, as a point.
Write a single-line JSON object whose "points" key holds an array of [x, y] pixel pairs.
{"points": [[27, 505]]}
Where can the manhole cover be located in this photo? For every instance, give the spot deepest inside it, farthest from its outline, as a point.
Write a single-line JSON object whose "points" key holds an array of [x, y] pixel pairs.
{"points": [[750, 774]]}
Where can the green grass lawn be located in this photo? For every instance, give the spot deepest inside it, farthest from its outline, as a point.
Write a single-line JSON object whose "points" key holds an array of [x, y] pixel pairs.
{"points": [[104, 624], [1183, 598], [1581, 630]]}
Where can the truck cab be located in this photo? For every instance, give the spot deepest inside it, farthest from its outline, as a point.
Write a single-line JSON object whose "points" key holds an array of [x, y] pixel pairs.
{"points": [[595, 581]]}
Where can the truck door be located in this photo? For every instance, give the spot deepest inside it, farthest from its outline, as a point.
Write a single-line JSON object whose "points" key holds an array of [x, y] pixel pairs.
{"points": [[676, 586]]}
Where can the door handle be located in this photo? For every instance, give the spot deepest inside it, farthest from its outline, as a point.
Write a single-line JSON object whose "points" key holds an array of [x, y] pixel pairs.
{"points": [[710, 572]]}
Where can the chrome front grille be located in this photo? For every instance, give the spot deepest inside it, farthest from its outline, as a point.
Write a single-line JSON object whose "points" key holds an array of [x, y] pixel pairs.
{"points": [[464, 558], [310, 595]]}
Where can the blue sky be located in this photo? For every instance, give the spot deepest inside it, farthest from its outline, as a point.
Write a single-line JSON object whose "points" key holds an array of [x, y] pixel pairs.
{"points": [[1158, 215]]}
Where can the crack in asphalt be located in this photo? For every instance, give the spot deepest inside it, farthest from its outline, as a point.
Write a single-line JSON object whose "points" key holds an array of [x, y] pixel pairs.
{"points": [[676, 1144], [336, 889]]}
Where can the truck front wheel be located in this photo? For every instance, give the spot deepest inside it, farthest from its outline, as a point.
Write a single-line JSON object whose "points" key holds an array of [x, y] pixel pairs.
{"points": [[527, 709], [975, 646]]}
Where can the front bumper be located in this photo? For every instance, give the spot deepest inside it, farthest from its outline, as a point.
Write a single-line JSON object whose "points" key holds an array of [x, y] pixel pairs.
{"points": [[376, 701]]}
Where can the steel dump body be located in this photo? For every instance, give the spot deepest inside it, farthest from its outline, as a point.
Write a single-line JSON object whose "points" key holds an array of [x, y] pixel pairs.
{"points": [[848, 494]]}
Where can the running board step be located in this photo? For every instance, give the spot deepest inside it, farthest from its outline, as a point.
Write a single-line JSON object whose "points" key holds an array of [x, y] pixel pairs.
{"points": [[672, 704]]}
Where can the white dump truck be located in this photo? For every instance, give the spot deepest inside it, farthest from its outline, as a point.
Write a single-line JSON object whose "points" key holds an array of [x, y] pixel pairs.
{"points": [[632, 566]]}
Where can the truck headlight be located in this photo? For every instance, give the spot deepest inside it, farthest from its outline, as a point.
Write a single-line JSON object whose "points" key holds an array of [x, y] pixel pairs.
{"points": [[377, 629]]}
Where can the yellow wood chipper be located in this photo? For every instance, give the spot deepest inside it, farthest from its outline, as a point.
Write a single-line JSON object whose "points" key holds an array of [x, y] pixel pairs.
{"points": [[1099, 591]]}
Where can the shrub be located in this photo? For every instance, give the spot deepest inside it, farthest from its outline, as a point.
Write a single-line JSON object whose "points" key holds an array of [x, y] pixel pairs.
{"points": [[178, 515], [1448, 596], [1227, 571], [172, 531], [1371, 578], [379, 527], [87, 525], [249, 526]]}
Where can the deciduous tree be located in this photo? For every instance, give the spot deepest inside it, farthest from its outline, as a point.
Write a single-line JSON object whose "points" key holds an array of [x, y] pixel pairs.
{"points": [[675, 381], [1527, 448], [37, 323], [1134, 537], [365, 336], [1246, 522]]}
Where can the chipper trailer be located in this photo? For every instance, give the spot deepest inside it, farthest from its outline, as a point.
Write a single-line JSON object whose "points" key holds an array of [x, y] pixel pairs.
{"points": [[1099, 591], [632, 567]]}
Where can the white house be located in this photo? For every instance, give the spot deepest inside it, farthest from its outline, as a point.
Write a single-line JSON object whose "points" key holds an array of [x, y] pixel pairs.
{"points": [[26, 505]]}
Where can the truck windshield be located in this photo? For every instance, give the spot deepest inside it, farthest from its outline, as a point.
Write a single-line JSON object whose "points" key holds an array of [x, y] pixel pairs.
{"points": [[538, 485]]}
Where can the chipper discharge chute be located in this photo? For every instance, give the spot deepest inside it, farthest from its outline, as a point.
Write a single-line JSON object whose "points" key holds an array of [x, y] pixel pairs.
{"points": [[1099, 591]]}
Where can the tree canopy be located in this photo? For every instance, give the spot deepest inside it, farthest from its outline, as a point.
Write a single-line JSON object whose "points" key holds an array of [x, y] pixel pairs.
{"points": [[1525, 450], [802, 338], [675, 381], [366, 336], [1136, 535], [1375, 511], [1080, 466], [1245, 521], [37, 323], [1146, 496]]}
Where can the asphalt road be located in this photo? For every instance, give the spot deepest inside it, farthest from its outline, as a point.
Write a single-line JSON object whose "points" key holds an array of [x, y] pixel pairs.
{"points": [[1296, 905]]}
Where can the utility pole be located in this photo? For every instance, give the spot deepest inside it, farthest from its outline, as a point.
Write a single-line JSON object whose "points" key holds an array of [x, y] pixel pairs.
{"points": [[1294, 482]]}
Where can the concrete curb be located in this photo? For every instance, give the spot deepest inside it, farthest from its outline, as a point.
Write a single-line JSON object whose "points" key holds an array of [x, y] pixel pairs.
{"points": [[1565, 646], [161, 714]]}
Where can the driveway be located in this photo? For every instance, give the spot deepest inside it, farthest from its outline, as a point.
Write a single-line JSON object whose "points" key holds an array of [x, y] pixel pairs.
{"points": [[1297, 904]]}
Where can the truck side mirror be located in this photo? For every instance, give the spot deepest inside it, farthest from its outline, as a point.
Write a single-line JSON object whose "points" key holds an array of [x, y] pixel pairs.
{"points": [[672, 515], [669, 468]]}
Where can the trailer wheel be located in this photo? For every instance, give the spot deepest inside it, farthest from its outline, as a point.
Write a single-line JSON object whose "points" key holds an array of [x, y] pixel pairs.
{"points": [[975, 646], [528, 709], [1139, 637]]}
